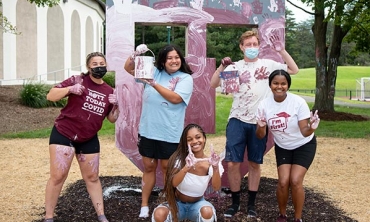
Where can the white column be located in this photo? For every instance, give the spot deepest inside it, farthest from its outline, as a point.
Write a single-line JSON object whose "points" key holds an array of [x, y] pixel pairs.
{"points": [[42, 42], [66, 8], [9, 46]]}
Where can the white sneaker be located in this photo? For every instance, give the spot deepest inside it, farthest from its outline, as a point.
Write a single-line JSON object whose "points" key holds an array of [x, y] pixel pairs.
{"points": [[144, 212]]}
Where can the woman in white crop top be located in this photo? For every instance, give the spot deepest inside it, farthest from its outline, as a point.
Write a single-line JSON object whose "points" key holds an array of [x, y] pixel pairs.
{"points": [[186, 183]]}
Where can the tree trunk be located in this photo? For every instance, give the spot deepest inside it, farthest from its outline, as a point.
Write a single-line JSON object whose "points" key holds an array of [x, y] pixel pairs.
{"points": [[336, 43], [326, 67], [323, 101]]}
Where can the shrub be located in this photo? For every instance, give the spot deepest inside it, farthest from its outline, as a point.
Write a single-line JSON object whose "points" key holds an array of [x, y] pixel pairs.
{"points": [[110, 78], [34, 95]]}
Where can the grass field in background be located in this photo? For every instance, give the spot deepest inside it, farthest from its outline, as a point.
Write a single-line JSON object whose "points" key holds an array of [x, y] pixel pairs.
{"points": [[346, 78], [340, 129]]}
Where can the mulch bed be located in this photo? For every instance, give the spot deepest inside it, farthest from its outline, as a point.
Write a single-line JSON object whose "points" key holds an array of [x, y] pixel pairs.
{"points": [[123, 206]]}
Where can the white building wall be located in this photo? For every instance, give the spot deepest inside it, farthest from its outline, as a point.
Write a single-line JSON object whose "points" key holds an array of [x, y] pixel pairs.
{"points": [[85, 9], [9, 42]]}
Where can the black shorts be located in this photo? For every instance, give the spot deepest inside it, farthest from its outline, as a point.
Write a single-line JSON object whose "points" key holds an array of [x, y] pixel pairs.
{"points": [[302, 155], [155, 149], [87, 147]]}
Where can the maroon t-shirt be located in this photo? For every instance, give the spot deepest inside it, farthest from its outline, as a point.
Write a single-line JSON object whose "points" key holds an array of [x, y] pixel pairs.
{"points": [[83, 115]]}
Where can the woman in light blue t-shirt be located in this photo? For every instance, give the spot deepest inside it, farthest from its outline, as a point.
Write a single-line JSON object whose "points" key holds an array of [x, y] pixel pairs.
{"points": [[164, 103]]}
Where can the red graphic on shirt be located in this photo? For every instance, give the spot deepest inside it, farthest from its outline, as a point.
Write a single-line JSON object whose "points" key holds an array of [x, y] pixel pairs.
{"points": [[261, 73], [245, 77], [279, 123]]}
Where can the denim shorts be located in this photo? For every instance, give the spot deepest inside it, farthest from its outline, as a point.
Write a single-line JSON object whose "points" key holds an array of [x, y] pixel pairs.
{"points": [[189, 211], [241, 135]]}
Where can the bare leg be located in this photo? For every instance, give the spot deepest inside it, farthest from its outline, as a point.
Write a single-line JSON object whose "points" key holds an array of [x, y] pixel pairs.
{"points": [[60, 162], [282, 191], [164, 164], [234, 176], [149, 178], [206, 212], [160, 213], [89, 166], [296, 182], [254, 176]]}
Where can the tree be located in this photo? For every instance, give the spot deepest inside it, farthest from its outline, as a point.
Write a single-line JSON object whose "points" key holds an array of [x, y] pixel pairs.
{"points": [[6, 26], [345, 15]]}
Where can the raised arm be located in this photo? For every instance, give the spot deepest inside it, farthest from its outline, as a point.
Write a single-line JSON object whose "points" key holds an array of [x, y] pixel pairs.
{"points": [[279, 47], [307, 128], [130, 61], [261, 124], [215, 80]]}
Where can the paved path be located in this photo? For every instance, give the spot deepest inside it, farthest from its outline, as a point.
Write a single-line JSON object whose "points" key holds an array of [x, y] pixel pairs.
{"points": [[339, 102]]}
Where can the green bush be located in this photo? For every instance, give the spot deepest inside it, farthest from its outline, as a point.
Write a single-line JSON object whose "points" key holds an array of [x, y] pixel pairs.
{"points": [[34, 95], [110, 78]]}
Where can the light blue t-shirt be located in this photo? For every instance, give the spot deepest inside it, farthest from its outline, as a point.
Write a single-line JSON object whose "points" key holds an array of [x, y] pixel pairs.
{"points": [[161, 119]]}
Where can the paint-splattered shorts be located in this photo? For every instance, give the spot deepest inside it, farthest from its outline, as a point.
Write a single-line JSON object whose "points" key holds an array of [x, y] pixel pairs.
{"points": [[87, 147]]}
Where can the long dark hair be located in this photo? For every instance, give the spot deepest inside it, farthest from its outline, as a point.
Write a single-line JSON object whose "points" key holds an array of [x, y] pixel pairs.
{"points": [[162, 57], [175, 164]]}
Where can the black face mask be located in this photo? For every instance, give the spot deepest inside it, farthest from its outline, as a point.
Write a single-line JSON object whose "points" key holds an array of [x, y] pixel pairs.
{"points": [[99, 72]]}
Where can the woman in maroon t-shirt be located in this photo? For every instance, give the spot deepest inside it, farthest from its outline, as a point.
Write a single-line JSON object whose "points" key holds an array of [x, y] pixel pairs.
{"points": [[90, 101]]}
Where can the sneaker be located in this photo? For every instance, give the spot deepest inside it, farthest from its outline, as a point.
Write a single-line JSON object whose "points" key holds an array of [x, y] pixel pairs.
{"points": [[144, 212], [282, 218], [251, 212], [231, 211], [102, 218], [298, 220]]}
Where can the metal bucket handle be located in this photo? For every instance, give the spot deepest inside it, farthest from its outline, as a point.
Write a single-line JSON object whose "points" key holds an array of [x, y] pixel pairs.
{"points": [[152, 54]]}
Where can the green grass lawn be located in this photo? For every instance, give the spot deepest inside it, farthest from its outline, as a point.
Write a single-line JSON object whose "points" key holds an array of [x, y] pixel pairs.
{"points": [[341, 129], [346, 78]]}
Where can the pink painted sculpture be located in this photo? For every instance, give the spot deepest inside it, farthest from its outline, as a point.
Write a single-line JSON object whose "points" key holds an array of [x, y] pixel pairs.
{"points": [[121, 17]]}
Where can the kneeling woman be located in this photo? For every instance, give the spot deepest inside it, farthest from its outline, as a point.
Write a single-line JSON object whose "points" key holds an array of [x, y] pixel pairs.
{"points": [[188, 180]]}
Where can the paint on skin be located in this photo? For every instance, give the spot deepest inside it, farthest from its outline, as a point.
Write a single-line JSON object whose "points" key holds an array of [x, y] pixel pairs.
{"points": [[99, 207], [94, 163], [62, 156], [81, 157]]}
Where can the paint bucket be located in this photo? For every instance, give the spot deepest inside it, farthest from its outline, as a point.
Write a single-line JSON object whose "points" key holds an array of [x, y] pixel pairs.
{"points": [[229, 81], [144, 66]]}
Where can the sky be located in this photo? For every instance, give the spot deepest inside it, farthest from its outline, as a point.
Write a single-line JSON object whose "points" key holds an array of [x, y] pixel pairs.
{"points": [[299, 15]]}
